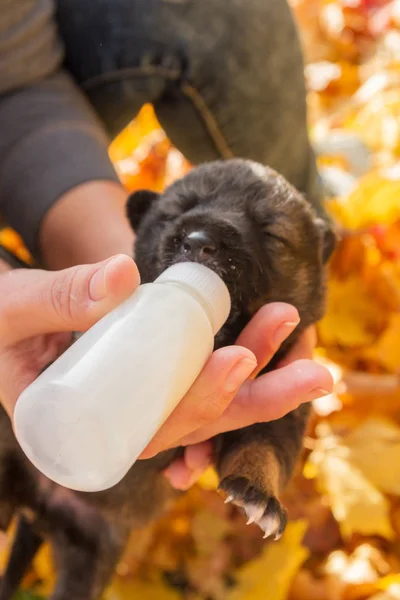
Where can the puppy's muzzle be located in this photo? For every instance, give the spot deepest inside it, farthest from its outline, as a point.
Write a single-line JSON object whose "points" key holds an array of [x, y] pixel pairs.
{"points": [[199, 246]]}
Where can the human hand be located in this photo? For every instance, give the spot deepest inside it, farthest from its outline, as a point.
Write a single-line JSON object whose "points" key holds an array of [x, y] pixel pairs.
{"points": [[296, 380], [39, 309]]}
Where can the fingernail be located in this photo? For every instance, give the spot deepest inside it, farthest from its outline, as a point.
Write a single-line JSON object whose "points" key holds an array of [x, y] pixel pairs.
{"points": [[178, 475], [283, 332], [97, 285], [319, 393], [238, 375]]}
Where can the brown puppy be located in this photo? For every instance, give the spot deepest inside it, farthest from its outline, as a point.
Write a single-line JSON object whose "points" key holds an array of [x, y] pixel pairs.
{"points": [[258, 233]]}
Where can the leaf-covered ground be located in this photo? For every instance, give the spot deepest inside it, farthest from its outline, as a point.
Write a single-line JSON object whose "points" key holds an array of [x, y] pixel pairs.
{"points": [[343, 541]]}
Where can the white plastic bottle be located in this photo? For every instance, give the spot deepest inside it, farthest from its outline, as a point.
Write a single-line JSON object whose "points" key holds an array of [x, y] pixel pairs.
{"points": [[85, 420]]}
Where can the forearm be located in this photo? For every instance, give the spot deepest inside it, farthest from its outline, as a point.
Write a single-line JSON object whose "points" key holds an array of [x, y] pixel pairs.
{"points": [[4, 267], [86, 225], [54, 151], [58, 188]]}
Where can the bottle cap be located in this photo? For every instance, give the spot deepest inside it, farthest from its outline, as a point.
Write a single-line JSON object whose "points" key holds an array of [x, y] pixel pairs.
{"points": [[210, 288]]}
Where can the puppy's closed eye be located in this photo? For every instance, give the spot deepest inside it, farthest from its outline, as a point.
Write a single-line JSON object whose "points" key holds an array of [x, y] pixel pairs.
{"points": [[281, 240]]}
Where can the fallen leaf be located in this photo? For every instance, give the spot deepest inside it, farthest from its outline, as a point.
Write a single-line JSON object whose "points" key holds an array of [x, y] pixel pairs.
{"points": [[375, 200], [352, 317], [374, 448], [389, 595], [307, 587], [270, 575], [26, 595], [389, 582], [141, 590], [357, 505], [44, 569], [209, 480], [386, 351], [208, 530]]}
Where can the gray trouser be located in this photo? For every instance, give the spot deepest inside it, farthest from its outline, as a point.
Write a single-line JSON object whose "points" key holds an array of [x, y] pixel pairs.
{"points": [[225, 76]]}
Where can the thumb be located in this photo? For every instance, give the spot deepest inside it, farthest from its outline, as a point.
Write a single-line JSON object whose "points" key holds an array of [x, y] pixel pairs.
{"points": [[34, 302]]}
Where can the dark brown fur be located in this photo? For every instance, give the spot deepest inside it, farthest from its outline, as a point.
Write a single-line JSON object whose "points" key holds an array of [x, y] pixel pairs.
{"points": [[264, 240]]}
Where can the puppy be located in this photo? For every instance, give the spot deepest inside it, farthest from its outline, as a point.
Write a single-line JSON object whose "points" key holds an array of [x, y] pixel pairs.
{"points": [[261, 236]]}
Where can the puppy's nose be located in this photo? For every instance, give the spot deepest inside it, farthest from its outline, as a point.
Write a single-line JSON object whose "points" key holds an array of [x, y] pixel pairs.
{"points": [[199, 244]]}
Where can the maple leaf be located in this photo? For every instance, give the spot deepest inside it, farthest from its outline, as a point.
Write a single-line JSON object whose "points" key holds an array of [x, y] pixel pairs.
{"points": [[386, 350], [352, 318], [374, 200], [381, 463], [357, 505], [208, 529], [270, 575], [388, 595], [141, 590], [44, 570], [391, 587], [13, 242], [209, 480], [132, 136], [26, 595]]}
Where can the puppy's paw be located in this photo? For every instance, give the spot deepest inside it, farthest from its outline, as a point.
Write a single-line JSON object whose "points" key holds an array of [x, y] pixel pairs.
{"points": [[260, 507]]}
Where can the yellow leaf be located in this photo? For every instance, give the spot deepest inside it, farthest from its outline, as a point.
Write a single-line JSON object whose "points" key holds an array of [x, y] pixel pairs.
{"points": [[375, 200], [374, 448], [352, 316], [5, 544], [132, 136], [13, 242], [389, 582], [44, 568], [269, 577], [140, 590], [209, 480], [386, 351], [208, 530], [389, 595], [357, 505], [377, 122]]}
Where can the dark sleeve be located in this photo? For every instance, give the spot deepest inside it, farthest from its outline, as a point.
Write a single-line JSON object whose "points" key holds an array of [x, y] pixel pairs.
{"points": [[51, 140]]}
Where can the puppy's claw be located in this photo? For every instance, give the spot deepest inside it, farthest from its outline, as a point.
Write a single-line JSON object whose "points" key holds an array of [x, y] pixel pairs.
{"points": [[260, 508], [228, 499], [270, 524], [254, 512]]}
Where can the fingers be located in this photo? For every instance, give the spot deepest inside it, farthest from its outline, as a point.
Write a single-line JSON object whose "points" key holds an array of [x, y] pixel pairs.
{"points": [[207, 399], [269, 397], [304, 347], [38, 302], [184, 472], [211, 394], [271, 325]]}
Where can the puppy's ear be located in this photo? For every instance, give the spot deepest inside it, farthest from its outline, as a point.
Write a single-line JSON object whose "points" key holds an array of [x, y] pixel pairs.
{"points": [[328, 239], [138, 204]]}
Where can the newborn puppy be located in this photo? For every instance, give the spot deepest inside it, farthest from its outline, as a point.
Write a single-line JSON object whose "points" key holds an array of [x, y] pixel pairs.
{"points": [[260, 235], [246, 223]]}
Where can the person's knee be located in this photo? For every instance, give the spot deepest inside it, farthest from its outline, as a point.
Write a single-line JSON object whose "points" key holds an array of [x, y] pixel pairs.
{"points": [[226, 78], [243, 93]]}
